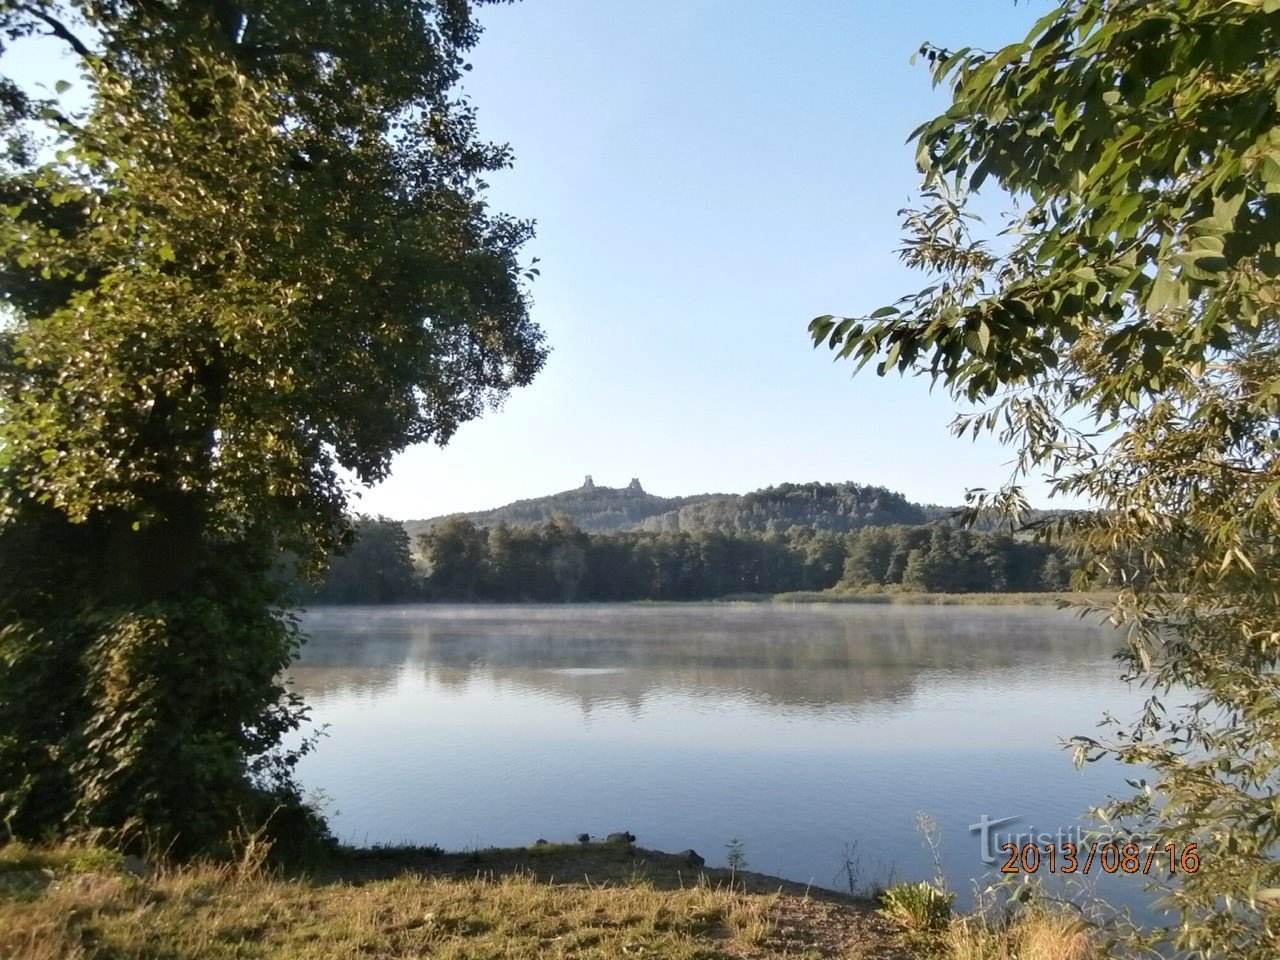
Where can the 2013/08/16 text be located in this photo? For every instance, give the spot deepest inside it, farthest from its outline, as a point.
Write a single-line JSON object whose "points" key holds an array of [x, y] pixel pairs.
{"points": [[1110, 857]]}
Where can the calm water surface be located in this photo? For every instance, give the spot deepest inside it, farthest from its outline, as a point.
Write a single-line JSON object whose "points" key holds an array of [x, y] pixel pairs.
{"points": [[797, 730]]}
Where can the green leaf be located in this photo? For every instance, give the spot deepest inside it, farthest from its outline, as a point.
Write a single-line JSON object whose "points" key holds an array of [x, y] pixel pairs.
{"points": [[1212, 264], [1269, 170], [1162, 87], [1166, 292]]}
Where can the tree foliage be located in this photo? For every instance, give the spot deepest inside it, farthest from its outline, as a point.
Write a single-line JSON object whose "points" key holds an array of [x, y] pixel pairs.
{"points": [[377, 567], [1122, 333], [558, 562], [258, 256], [825, 506], [937, 558]]}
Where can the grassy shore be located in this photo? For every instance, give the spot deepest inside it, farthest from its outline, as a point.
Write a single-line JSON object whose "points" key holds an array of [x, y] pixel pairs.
{"points": [[586, 901], [589, 901], [1045, 599]]}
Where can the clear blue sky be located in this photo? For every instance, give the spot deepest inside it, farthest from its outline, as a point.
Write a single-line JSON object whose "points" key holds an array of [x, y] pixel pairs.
{"points": [[707, 176]]}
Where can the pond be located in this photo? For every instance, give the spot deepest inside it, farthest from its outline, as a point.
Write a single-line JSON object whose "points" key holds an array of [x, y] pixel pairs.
{"points": [[812, 735]]}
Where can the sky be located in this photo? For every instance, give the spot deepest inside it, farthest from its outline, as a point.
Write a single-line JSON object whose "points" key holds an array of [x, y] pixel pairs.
{"points": [[707, 176]]}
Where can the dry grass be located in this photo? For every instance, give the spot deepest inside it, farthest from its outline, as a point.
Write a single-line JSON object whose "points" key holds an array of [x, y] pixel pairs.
{"points": [[79, 904], [1047, 599], [82, 903], [1035, 934]]}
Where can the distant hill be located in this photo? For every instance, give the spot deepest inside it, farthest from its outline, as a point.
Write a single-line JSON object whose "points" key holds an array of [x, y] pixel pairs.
{"points": [[839, 507], [594, 509]]}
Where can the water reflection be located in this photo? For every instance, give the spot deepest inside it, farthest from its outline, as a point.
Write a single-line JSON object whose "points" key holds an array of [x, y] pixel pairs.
{"points": [[794, 729], [809, 658]]}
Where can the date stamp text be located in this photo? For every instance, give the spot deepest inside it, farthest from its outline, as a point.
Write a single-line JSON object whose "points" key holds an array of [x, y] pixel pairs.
{"points": [[1068, 857]]}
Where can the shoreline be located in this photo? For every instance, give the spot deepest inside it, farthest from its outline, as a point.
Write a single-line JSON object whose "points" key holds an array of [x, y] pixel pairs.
{"points": [[1039, 599], [597, 861], [1059, 599]]}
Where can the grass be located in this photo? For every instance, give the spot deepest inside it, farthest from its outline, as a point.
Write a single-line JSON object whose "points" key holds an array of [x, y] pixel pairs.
{"points": [[1046, 599], [557, 900], [80, 903], [1035, 930], [1035, 934], [923, 908], [890, 595]]}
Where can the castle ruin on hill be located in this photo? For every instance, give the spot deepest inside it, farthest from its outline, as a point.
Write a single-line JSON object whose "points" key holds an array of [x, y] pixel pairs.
{"points": [[633, 486]]}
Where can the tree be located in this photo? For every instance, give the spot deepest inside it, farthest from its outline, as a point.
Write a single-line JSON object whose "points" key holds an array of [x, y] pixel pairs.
{"points": [[376, 568], [1053, 575], [998, 562], [921, 572], [456, 554], [565, 547], [870, 550], [1123, 335], [259, 255]]}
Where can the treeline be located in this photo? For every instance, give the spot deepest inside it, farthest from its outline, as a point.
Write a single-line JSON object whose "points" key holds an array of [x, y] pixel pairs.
{"points": [[558, 562], [939, 559]]}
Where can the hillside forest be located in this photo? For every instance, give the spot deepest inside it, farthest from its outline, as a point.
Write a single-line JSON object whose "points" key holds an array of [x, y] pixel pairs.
{"points": [[794, 537]]}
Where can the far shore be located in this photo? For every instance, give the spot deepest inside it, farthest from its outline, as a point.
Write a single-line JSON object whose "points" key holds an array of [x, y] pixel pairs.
{"points": [[1060, 598]]}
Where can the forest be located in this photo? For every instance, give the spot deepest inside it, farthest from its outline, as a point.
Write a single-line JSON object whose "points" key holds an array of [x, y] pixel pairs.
{"points": [[558, 562], [599, 509]]}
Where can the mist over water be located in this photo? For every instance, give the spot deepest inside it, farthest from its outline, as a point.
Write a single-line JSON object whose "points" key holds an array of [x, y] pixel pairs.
{"points": [[801, 731]]}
